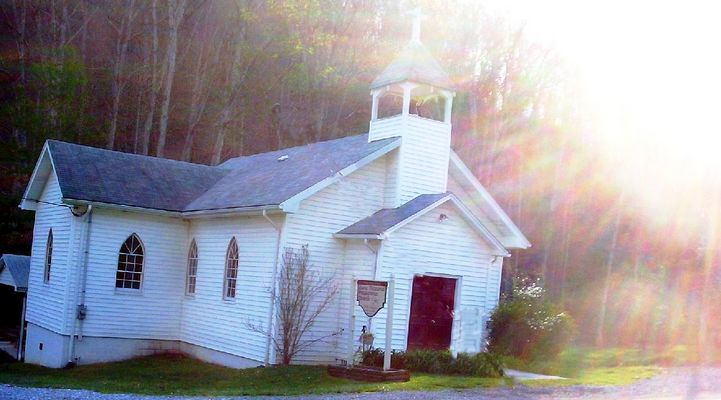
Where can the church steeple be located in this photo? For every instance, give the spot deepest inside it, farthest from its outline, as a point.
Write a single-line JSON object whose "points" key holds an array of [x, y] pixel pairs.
{"points": [[412, 98], [413, 83]]}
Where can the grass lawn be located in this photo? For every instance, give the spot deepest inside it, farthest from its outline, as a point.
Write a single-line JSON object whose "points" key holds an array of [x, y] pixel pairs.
{"points": [[178, 375], [602, 377], [611, 366]]}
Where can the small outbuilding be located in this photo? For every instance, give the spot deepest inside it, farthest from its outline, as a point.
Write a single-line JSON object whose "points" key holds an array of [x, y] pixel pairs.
{"points": [[14, 270]]}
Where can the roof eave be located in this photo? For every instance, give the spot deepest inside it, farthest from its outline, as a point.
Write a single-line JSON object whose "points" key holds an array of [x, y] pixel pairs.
{"points": [[359, 236], [27, 203], [222, 212], [179, 214], [384, 83]]}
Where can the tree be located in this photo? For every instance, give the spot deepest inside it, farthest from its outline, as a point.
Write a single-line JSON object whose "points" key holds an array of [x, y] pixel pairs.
{"points": [[123, 30], [302, 296], [176, 12]]}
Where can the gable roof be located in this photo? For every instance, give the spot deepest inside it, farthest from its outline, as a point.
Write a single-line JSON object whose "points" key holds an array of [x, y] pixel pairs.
{"points": [[19, 269], [414, 63], [383, 222], [97, 176], [509, 233]]}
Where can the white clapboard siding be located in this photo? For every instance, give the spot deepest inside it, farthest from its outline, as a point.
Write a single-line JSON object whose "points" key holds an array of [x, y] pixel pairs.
{"points": [[46, 302], [424, 156], [345, 202], [391, 199], [359, 263], [385, 128], [231, 326], [154, 311], [452, 248]]}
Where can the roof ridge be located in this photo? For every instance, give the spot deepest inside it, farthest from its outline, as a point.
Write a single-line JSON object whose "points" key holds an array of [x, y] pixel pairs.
{"points": [[219, 166], [172, 160], [293, 147]]}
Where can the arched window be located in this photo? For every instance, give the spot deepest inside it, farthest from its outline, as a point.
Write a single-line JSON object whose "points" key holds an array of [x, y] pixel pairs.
{"points": [[48, 256], [192, 268], [130, 263], [231, 270]]}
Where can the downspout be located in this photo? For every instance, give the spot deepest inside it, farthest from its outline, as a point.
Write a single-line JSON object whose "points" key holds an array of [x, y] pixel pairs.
{"points": [[81, 309], [274, 284], [375, 262]]}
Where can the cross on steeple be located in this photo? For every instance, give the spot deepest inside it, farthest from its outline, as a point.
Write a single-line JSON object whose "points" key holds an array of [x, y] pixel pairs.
{"points": [[418, 18]]}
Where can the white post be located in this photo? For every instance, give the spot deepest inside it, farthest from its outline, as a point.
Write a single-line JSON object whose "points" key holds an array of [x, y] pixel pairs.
{"points": [[351, 322], [407, 87], [374, 105], [449, 106], [389, 324], [22, 328]]}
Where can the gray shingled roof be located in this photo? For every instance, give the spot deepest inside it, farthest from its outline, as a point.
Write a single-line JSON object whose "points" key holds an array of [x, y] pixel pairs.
{"points": [[98, 175], [265, 180], [384, 219], [19, 267], [414, 63]]}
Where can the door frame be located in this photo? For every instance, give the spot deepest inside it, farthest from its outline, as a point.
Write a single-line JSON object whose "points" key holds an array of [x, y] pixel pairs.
{"points": [[455, 326]]}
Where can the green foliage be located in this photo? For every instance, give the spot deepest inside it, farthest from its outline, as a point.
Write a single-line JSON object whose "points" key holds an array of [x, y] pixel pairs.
{"points": [[53, 103], [439, 362], [528, 326]]}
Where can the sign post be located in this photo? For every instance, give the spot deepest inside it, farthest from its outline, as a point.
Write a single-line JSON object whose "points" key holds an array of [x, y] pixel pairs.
{"points": [[371, 297], [351, 325], [389, 326]]}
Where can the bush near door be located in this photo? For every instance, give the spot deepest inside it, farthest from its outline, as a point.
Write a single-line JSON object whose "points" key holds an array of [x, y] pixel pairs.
{"points": [[529, 327], [439, 362]]}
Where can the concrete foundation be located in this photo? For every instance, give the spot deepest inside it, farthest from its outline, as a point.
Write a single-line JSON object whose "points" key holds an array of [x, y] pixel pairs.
{"points": [[45, 347], [51, 349]]}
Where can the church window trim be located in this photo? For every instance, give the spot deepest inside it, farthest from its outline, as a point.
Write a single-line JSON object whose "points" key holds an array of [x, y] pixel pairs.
{"points": [[192, 271], [131, 263], [230, 276]]}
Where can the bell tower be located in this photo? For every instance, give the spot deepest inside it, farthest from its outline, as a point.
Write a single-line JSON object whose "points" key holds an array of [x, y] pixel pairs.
{"points": [[412, 99]]}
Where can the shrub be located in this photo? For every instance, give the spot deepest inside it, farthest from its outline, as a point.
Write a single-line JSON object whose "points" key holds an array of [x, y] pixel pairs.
{"points": [[439, 362], [529, 327]]}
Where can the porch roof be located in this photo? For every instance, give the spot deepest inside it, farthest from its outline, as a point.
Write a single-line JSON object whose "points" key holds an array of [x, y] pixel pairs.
{"points": [[19, 269]]}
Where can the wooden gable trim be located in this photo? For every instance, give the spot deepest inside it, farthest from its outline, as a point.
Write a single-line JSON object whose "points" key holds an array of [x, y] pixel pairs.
{"points": [[27, 202], [486, 196], [467, 215], [465, 212]]}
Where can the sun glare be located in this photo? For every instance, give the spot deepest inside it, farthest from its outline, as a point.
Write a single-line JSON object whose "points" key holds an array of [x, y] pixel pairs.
{"points": [[650, 71]]}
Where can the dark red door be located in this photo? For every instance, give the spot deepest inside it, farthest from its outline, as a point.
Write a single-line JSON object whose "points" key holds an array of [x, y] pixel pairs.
{"points": [[431, 319]]}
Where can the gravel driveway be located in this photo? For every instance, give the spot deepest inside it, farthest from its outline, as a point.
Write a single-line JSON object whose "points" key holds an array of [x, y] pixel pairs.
{"points": [[687, 383]]}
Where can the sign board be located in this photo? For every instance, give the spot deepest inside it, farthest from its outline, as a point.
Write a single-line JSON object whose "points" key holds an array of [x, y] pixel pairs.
{"points": [[371, 296]]}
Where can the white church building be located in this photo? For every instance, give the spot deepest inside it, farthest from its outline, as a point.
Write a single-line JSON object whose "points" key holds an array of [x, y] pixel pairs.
{"points": [[133, 255]]}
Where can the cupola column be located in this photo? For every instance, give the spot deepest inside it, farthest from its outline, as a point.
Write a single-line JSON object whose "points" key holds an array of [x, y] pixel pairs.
{"points": [[407, 87], [448, 96], [374, 106]]}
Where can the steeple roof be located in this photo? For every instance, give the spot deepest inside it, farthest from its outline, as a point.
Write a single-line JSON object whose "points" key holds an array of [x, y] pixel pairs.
{"points": [[415, 63]]}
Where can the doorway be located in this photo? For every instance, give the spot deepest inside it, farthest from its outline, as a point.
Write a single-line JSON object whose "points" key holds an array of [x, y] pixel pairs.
{"points": [[431, 318]]}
